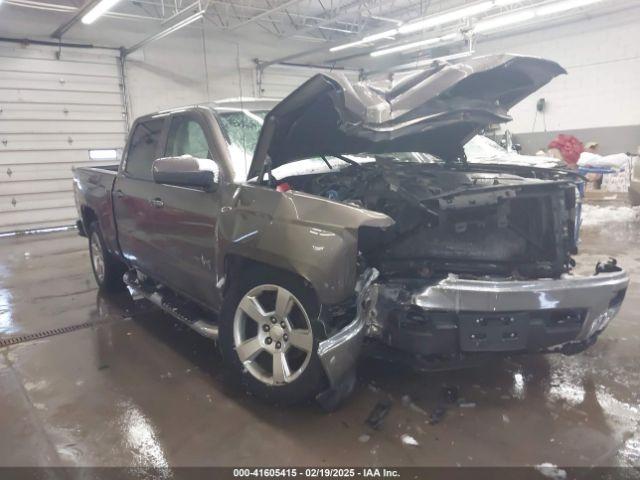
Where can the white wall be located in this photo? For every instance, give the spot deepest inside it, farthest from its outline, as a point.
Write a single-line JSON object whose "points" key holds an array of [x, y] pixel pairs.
{"points": [[602, 88], [174, 71]]}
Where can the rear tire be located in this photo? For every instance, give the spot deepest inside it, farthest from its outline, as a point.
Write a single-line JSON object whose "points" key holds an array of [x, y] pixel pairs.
{"points": [[273, 349], [107, 270]]}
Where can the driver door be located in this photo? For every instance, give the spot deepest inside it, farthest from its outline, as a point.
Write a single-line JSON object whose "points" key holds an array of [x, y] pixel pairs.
{"points": [[185, 218]]}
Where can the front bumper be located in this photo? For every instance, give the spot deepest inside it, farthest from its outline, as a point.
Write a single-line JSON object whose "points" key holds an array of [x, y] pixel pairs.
{"points": [[455, 315], [531, 315], [339, 353]]}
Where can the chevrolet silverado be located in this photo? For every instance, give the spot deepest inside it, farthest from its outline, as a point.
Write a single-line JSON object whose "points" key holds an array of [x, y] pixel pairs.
{"points": [[347, 216]]}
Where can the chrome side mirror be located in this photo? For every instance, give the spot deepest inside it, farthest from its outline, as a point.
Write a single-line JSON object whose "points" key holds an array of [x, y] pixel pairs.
{"points": [[187, 171]]}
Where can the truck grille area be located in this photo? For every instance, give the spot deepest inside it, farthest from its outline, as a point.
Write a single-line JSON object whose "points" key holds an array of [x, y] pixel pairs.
{"points": [[431, 332], [526, 234]]}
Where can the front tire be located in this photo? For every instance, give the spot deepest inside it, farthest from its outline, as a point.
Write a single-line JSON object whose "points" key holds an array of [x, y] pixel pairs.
{"points": [[107, 270], [269, 335]]}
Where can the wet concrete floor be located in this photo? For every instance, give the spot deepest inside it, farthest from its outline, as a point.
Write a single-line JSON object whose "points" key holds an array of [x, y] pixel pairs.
{"points": [[137, 389]]}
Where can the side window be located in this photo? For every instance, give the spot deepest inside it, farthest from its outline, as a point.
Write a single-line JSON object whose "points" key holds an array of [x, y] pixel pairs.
{"points": [[186, 137], [143, 148]]}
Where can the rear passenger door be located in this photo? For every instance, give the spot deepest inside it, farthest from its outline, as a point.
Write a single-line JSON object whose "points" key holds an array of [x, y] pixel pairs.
{"points": [[134, 192]]}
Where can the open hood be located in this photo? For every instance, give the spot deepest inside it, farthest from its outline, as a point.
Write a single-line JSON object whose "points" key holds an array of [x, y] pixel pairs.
{"points": [[433, 111]]}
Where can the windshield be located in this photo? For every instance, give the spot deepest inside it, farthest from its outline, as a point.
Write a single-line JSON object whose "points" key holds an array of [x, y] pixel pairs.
{"points": [[241, 128], [482, 147]]}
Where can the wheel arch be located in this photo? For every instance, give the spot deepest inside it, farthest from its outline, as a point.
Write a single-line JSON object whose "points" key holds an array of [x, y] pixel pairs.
{"points": [[88, 216], [235, 266]]}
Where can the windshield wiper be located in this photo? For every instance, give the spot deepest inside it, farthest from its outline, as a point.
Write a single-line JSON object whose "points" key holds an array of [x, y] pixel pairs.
{"points": [[326, 161], [348, 160]]}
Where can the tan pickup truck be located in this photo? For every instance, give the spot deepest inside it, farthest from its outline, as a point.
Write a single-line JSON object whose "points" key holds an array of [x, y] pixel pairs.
{"points": [[347, 216]]}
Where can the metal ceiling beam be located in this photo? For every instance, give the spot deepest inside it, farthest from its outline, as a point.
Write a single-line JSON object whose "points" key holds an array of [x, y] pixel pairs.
{"points": [[538, 25], [390, 14], [266, 13], [62, 29], [334, 15], [263, 65], [298, 15], [183, 22]]}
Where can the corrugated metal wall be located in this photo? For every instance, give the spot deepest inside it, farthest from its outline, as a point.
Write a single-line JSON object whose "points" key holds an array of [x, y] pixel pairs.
{"points": [[279, 81], [52, 111]]}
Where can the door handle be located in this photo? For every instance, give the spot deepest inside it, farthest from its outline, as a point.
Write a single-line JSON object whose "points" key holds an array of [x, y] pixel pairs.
{"points": [[119, 193], [157, 203]]}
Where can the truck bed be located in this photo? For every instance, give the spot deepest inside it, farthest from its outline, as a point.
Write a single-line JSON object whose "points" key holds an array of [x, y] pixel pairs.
{"points": [[108, 168], [93, 189]]}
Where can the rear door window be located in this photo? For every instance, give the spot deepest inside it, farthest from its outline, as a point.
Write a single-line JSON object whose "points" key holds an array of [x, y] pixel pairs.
{"points": [[187, 137], [143, 149]]}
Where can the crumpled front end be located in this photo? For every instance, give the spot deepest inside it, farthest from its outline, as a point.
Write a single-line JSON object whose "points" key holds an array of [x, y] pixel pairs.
{"points": [[339, 353], [455, 315]]}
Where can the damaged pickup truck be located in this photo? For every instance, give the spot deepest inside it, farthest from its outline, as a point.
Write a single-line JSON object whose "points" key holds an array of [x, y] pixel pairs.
{"points": [[345, 216]]}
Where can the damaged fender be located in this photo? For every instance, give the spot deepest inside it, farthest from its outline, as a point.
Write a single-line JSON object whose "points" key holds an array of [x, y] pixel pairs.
{"points": [[339, 353], [313, 237]]}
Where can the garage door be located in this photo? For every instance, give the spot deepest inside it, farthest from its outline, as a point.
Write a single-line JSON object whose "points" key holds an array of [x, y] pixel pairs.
{"points": [[278, 81], [52, 113]]}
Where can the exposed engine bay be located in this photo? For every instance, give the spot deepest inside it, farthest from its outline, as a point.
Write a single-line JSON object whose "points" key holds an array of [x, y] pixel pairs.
{"points": [[457, 218]]}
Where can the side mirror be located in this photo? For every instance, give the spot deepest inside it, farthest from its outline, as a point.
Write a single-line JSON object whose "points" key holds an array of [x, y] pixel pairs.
{"points": [[517, 147], [187, 171]]}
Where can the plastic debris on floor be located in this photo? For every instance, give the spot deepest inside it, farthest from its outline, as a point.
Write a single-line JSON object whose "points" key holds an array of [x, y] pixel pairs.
{"points": [[437, 415], [409, 440], [377, 415]]}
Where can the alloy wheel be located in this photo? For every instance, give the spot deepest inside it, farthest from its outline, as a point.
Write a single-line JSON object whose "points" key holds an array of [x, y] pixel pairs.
{"points": [[272, 335]]}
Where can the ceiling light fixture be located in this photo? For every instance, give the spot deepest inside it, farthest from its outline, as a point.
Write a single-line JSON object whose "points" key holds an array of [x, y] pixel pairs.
{"points": [[365, 40], [100, 9], [448, 17], [422, 43], [524, 15], [428, 22], [379, 36], [563, 6], [455, 15], [344, 46], [504, 20], [167, 31]]}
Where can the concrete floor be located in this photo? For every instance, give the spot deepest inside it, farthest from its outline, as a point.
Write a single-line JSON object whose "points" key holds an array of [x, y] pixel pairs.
{"points": [[137, 389]]}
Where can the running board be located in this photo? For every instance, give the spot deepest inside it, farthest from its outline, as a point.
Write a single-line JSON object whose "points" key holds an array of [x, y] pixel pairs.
{"points": [[174, 309]]}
